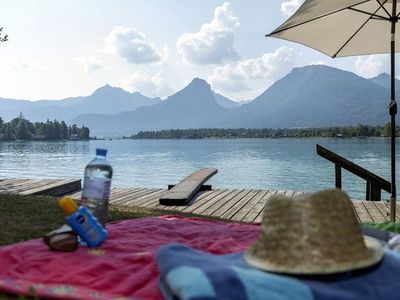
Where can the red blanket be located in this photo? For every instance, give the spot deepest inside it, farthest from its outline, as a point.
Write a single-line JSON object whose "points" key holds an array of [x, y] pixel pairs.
{"points": [[124, 266]]}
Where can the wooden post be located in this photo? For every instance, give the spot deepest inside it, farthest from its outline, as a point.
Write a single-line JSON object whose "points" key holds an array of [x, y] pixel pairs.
{"points": [[368, 191], [338, 176], [375, 193]]}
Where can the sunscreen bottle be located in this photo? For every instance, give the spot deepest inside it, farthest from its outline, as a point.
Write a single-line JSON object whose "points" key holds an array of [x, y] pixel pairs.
{"points": [[83, 222]]}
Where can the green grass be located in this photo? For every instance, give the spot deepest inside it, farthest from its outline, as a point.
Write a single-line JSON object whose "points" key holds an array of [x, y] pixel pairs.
{"points": [[389, 226], [27, 217]]}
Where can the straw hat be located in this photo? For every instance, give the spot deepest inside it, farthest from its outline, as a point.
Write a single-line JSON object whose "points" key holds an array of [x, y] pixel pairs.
{"points": [[312, 234]]}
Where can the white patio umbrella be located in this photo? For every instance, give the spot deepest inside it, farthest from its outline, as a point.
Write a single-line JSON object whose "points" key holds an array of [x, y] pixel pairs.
{"points": [[341, 28]]}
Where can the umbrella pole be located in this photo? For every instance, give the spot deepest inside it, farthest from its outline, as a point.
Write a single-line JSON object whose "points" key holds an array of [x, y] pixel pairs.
{"points": [[393, 112]]}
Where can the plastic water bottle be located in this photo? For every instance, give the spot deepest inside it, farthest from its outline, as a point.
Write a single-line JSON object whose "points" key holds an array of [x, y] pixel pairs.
{"points": [[96, 186]]}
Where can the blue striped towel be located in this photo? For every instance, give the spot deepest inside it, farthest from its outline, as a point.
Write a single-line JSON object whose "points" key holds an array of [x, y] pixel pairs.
{"points": [[186, 273]]}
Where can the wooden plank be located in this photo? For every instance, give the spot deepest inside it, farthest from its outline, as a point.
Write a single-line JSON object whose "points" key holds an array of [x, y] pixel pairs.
{"points": [[259, 217], [153, 202], [14, 181], [16, 185], [233, 210], [375, 214], [114, 193], [182, 192], [298, 193], [148, 200], [144, 198], [213, 203], [289, 194], [117, 195], [204, 200], [43, 183], [54, 189], [220, 207], [201, 200], [239, 216], [258, 208], [198, 200], [355, 212], [380, 205], [397, 210], [134, 194], [60, 190], [361, 212], [27, 184]]}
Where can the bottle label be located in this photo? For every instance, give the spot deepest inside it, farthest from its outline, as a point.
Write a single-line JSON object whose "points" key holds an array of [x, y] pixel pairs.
{"points": [[96, 188]]}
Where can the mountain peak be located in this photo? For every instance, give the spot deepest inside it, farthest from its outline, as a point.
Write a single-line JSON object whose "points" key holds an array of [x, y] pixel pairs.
{"points": [[108, 89], [199, 83], [383, 80], [382, 75], [312, 69]]}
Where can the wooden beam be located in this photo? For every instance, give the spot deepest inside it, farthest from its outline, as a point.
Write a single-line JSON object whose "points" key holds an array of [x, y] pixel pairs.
{"points": [[353, 168]]}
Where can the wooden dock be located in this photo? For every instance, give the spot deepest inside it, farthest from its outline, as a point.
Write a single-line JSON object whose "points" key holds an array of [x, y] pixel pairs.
{"points": [[48, 187], [244, 205]]}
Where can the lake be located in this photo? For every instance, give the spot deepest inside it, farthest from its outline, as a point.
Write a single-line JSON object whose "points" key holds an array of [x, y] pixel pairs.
{"points": [[285, 164]]}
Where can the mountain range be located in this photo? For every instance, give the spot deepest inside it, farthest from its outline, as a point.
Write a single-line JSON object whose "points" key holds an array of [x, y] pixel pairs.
{"points": [[311, 96], [107, 99]]}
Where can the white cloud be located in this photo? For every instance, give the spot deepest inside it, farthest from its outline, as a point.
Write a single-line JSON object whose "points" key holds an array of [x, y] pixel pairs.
{"points": [[131, 44], [318, 62], [214, 42], [25, 65], [252, 74], [289, 7], [372, 65], [90, 64], [151, 86]]}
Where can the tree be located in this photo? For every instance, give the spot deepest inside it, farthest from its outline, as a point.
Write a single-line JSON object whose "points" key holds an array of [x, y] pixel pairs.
{"points": [[3, 39], [8, 133], [57, 130], [74, 129], [386, 130], [85, 133], [21, 130], [64, 130]]}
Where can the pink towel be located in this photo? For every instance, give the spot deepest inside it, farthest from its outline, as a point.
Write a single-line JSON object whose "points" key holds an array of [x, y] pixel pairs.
{"points": [[124, 266]]}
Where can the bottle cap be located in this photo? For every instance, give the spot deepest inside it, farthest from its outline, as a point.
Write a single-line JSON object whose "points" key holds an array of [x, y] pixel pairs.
{"points": [[101, 152], [68, 205]]}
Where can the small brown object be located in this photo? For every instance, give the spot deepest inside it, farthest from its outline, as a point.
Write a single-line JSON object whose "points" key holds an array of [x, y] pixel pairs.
{"points": [[62, 239], [312, 234]]}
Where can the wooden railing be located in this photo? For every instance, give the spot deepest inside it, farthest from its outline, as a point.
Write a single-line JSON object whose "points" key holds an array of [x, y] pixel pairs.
{"points": [[375, 184]]}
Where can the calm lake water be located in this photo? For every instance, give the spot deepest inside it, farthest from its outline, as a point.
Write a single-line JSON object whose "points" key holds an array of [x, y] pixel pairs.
{"points": [[286, 164]]}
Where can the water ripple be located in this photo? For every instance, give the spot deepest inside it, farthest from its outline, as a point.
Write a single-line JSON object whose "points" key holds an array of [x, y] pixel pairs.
{"points": [[287, 164]]}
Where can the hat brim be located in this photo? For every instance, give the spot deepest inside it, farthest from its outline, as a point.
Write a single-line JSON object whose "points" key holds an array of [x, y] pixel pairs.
{"points": [[375, 255]]}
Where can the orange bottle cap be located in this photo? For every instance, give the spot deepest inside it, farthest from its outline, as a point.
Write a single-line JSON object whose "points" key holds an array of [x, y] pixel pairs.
{"points": [[68, 205]]}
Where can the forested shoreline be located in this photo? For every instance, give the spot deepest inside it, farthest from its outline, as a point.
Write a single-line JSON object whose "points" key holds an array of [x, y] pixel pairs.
{"points": [[218, 133], [22, 129]]}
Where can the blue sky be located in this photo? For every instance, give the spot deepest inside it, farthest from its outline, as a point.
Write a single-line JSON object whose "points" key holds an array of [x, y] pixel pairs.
{"points": [[64, 48]]}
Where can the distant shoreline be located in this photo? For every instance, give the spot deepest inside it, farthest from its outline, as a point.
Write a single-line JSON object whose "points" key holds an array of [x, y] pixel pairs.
{"points": [[360, 131]]}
